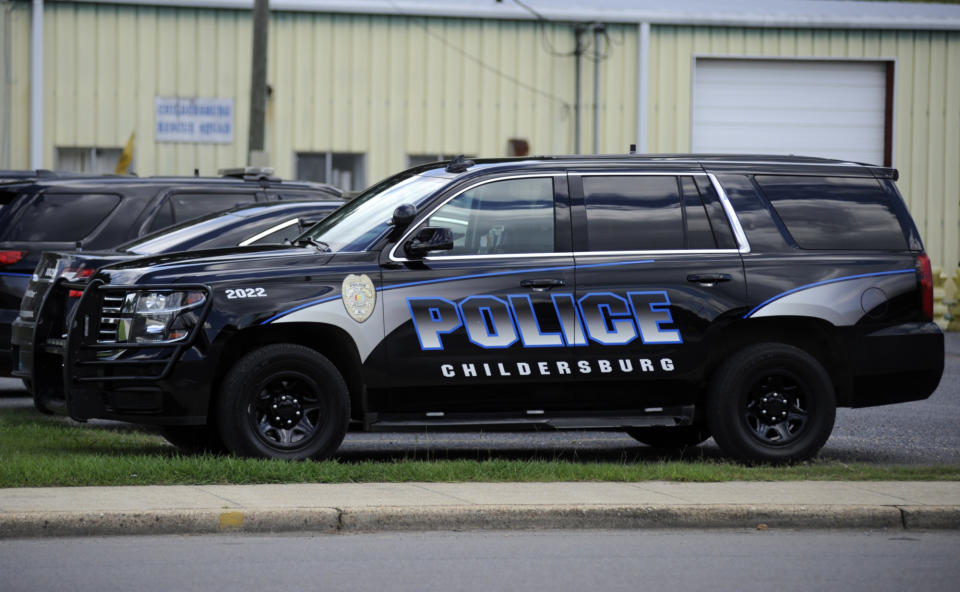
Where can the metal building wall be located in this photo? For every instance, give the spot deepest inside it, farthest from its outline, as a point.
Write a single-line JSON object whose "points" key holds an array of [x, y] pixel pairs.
{"points": [[926, 105], [385, 86]]}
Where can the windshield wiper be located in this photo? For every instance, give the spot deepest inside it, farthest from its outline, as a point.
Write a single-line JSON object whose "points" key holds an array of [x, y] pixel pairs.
{"points": [[309, 240]]}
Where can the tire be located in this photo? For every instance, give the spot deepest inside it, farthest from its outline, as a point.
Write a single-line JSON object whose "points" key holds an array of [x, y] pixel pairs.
{"points": [[676, 437], [771, 380], [283, 401], [194, 439]]}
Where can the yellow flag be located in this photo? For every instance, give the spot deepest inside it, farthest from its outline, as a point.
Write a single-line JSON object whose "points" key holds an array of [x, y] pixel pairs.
{"points": [[126, 157]]}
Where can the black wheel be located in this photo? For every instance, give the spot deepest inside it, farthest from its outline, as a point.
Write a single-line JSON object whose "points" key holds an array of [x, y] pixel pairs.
{"points": [[771, 402], [677, 437], [283, 401], [194, 439]]}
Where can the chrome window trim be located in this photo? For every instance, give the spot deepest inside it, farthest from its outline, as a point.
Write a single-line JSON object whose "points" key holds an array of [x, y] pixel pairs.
{"points": [[738, 232], [412, 228], [660, 252], [588, 173], [500, 256], [268, 231]]}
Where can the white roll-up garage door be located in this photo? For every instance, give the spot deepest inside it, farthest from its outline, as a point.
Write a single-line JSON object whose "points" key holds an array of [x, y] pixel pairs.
{"points": [[830, 109]]}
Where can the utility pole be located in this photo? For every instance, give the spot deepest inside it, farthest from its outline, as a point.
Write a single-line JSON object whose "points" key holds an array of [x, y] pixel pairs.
{"points": [[258, 84], [578, 32]]}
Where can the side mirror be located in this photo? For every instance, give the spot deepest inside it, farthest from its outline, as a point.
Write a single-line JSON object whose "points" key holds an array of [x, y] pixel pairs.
{"points": [[427, 240], [403, 216]]}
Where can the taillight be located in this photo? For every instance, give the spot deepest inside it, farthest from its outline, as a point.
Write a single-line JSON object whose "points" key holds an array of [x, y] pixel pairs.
{"points": [[926, 286], [11, 257], [75, 273]]}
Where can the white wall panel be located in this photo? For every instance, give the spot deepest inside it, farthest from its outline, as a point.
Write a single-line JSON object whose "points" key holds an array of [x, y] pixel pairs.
{"points": [[826, 108]]}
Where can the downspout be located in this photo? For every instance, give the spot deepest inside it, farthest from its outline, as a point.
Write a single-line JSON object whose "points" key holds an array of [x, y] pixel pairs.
{"points": [[36, 86], [598, 29], [643, 85]]}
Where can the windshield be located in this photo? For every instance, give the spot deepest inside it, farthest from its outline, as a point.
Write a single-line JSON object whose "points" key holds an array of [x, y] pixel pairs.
{"points": [[169, 239], [357, 225]]}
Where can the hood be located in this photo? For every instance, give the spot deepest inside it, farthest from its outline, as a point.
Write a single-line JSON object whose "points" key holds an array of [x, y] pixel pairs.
{"points": [[214, 265]]}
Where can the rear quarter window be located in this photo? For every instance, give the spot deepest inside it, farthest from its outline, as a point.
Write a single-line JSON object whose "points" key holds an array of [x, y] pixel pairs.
{"points": [[834, 213], [61, 217]]}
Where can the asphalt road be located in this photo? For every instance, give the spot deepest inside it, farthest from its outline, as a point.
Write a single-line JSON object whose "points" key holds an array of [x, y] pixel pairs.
{"points": [[921, 432], [545, 560]]}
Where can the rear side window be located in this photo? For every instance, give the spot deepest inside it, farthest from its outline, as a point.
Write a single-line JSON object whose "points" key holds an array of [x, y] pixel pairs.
{"points": [[834, 213], [633, 213], [187, 206], [61, 217]]}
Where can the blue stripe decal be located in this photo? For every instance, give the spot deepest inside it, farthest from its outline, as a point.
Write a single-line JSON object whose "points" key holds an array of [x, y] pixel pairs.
{"points": [[463, 277], [11, 274], [296, 308], [833, 281], [512, 272]]}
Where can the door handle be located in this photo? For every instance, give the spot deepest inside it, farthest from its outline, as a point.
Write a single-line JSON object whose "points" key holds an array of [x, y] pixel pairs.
{"points": [[542, 285], [709, 279]]}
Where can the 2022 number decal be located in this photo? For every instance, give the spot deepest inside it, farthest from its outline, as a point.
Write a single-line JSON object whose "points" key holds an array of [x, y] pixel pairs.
{"points": [[245, 293]]}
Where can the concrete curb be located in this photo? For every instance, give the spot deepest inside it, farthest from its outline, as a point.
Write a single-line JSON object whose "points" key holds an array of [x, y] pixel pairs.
{"points": [[475, 517]]}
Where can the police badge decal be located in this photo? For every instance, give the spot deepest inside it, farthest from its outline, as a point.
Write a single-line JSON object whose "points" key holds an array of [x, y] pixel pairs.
{"points": [[359, 296]]}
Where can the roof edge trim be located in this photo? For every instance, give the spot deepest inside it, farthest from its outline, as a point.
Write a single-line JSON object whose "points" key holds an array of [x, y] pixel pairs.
{"points": [[512, 12]]}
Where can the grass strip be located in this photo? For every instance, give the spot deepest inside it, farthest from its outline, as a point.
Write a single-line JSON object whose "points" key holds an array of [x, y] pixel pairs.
{"points": [[41, 451]]}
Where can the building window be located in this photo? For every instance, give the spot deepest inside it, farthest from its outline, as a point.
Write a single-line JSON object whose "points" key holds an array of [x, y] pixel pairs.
{"points": [[418, 159], [342, 169], [101, 161]]}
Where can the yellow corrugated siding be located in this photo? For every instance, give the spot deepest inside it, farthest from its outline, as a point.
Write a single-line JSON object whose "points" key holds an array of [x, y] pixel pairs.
{"points": [[389, 86], [383, 86], [926, 105]]}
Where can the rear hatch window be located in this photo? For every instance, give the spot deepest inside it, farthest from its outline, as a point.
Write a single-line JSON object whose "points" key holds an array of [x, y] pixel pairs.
{"points": [[61, 217], [835, 213]]}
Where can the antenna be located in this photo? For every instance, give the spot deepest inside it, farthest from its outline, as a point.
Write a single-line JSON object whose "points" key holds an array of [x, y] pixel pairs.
{"points": [[459, 164]]}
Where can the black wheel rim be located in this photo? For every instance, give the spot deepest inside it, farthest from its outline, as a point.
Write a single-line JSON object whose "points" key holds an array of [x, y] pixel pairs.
{"points": [[287, 412], [777, 408]]}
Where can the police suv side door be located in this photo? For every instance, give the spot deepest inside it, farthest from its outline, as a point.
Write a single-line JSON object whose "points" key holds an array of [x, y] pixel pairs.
{"points": [[659, 274], [483, 313]]}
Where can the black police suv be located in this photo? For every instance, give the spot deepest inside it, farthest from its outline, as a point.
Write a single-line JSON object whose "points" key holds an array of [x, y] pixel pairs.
{"points": [[672, 297], [50, 211], [269, 223]]}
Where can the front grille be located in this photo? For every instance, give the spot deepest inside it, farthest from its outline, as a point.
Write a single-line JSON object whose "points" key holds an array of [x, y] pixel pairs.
{"points": [[110, 308]]}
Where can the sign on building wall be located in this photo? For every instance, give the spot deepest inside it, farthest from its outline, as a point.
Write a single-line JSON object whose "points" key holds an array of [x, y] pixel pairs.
{"points": [[198, 120]]}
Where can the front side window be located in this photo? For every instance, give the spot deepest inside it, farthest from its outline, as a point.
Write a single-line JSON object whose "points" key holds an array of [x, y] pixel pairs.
{"points": [[513, 216]]}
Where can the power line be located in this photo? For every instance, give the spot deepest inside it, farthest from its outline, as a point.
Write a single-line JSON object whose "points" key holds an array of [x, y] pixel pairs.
{"points": [[421, 22]]}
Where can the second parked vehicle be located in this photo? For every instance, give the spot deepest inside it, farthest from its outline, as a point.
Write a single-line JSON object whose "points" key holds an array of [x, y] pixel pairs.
{"points": [[59, 212], [269, 223]]}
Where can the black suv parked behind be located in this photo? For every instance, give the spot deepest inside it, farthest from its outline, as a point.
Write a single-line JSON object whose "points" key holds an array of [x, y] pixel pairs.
{"points": [[58, 212], [673, 297]]}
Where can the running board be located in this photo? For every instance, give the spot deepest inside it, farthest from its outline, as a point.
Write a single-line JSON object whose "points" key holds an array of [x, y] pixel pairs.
{"points": [[532, 419]]}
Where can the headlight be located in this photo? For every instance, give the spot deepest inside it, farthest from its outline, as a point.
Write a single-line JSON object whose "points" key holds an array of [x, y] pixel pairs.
{"points": [[162, 316]]}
